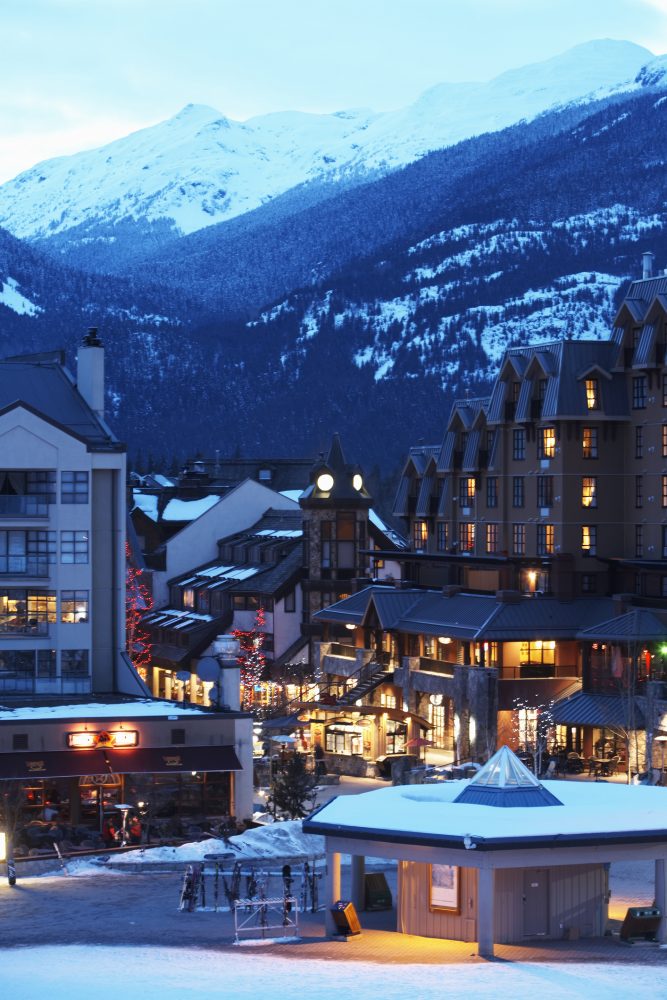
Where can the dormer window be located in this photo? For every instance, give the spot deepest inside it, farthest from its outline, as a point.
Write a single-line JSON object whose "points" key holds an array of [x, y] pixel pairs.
{"points": [[592, 387]]}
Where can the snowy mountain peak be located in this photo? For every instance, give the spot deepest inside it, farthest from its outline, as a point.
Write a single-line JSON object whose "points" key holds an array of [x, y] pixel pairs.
{"points": [[654, 73], [199, 167]]}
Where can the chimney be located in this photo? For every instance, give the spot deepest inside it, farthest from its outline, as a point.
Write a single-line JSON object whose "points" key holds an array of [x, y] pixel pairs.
{"points": [[647, 264], [90, 371]]}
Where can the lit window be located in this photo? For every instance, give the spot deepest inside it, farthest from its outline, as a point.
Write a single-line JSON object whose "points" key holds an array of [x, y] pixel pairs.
{"points": [[74, 606], [589, 491], [546, 442], [420, 534], [467, 491], [664, 491], [188, 598], [588, 539], [491, 538], [466, 536], [545, 539], [664, 440], [592, 394], [519, 539], [589, 442]]}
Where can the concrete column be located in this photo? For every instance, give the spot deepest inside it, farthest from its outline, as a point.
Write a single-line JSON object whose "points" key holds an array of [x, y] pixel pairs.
{"points": [[331, 891], [358, 882], [485, 908], [661, 897]]}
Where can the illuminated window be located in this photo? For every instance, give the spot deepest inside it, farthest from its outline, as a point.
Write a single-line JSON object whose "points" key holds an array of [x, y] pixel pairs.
{"points": [[466, 536], [519, 539], [545, 539], [664, 491], [518, 492], [589, 442], [188, 598], [491, 538], [537, 653], [664, 440], [74, 606], [467, 491], [546, 442], [589, 491], [519, 444], [420, 534], [592, 394], [589, 534]]}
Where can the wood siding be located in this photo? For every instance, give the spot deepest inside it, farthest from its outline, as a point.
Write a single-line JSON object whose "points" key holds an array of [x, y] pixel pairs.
{"points": [[577, 899]]}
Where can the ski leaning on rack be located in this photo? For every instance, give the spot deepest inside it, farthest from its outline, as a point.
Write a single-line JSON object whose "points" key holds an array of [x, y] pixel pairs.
{"points": [[287, 893], [192, 883], [233, 887]]}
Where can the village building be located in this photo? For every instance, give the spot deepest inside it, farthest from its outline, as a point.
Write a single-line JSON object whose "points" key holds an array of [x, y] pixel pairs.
{"points": [[78, 725], [500, 858]]}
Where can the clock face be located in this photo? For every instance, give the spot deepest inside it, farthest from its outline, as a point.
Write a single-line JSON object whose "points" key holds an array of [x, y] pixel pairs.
{"points": [[357, 481], [325, 482]]}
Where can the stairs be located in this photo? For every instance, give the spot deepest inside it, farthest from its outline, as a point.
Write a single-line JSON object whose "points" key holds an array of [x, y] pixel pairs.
{"points": [[373, 675]]}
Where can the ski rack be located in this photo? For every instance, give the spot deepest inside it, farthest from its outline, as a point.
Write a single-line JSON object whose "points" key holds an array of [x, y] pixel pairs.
{"points": [[259, 912]]}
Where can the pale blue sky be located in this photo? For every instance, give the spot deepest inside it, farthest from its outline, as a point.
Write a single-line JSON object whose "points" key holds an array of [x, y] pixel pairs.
{"points": [[77, 73]]}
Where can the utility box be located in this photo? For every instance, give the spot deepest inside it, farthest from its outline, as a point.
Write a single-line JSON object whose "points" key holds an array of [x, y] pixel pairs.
{"points": [[641, 922], [377, 894], [345, 918]]}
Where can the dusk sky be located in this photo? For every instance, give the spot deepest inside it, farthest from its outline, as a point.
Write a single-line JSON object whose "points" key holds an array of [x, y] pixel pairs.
{"points": [[79, 73]]}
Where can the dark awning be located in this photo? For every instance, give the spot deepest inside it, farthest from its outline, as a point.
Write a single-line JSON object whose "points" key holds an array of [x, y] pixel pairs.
{"points": [[157, 760], [143, 760], [600, 710], [52, 764]]}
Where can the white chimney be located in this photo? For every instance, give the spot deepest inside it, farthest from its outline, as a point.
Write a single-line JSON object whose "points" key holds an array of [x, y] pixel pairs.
{"points": [[647, 264], [90, 371]]}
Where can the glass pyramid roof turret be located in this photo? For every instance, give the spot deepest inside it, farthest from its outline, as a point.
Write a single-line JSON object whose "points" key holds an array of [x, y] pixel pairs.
{"points": [[505, 781]]}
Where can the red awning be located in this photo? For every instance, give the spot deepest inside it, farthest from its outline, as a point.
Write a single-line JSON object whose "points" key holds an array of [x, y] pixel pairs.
{"points": [[142, 760]]}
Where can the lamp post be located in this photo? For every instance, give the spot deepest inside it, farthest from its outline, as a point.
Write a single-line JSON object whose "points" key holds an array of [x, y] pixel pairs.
{"points": [[662, 739]]}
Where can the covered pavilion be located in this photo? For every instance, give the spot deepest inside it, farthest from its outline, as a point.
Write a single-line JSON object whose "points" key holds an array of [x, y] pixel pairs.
{"points": [[500, 858]]}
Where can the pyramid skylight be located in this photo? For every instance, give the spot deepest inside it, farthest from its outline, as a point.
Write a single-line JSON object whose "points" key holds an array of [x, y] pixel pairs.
{"points": [[505, 781]]}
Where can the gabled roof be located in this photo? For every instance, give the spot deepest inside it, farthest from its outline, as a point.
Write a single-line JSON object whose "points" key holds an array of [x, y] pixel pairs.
{"points": [[505, 782], [637, 625], [583, 709]]}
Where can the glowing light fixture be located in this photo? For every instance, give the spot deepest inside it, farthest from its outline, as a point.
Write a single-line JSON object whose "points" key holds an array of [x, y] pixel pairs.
{"points": [[325, 482], [357, 481], [350, 626], [444, 640], [117, 738]]}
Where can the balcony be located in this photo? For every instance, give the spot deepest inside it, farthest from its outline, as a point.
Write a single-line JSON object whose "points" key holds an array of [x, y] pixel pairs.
{"points": [[23, 506], [24, 566], [443, 667]]}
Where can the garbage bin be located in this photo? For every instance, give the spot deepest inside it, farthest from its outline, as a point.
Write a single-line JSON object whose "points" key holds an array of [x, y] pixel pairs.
{"points": [[641, 922], [345, 917]]}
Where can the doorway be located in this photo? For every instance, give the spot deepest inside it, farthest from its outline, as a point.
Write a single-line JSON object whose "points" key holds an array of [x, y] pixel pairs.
{"points": [[536, 902]]}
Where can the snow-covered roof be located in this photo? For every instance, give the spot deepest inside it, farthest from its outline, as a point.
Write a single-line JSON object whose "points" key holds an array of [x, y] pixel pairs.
{"points": [[100, 710], [429, 814], [505, 781], [146, 502], [189, 510]]}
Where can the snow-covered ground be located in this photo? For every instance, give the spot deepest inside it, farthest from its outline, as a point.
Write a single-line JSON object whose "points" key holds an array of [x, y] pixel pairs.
{"points": [[78, 973]]}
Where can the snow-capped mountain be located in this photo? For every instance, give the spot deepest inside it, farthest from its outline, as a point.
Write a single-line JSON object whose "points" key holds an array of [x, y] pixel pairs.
{"points": [[200, 168]]}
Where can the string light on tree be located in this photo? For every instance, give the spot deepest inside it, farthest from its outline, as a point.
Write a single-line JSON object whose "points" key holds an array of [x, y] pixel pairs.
{"points": [[138, 602], [251, 658]]}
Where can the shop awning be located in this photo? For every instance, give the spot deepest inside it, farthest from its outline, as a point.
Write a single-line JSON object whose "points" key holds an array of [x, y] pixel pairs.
{"points": [[141, 760], [159, 760], [52, 764]]}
